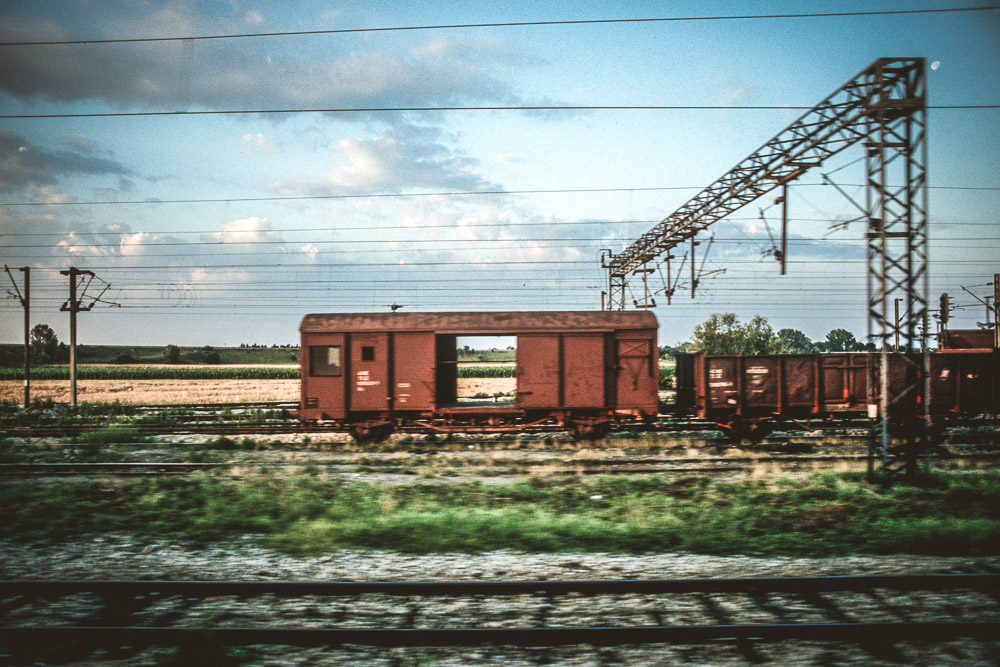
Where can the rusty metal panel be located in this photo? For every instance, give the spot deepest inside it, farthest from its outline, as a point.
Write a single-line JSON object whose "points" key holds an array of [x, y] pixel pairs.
{"points": [[538, 371], [962, 382], [760, 381], [480, 323], [799, 381], [369, 379], [945, 382], [413, 371], [723, 382], [636, 385], [965, 339], [584, 371], [844, 381], [322, 396]]}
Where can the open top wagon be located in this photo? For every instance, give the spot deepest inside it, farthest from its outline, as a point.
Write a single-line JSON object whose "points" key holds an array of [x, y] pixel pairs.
{"points": [[377, 372]]}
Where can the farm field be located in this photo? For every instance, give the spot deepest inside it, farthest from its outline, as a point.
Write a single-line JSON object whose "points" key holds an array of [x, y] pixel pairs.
{"points": [[167, 392], [155, 392]]}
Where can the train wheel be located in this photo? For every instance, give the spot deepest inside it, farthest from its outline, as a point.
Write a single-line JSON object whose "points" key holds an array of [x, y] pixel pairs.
{"points": [[367, 432], [586, 430], [754, 431]]}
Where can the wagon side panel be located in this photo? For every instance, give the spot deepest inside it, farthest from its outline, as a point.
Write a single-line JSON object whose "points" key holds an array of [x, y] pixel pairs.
{"points": [[636, 367], [413, 376], [584, 371], [538, 371], [323, 371], [369, 379], [799, 382]]}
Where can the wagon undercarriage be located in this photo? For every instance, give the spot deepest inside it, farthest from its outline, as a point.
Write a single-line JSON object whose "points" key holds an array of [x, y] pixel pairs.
{"points": [[581, 427]]}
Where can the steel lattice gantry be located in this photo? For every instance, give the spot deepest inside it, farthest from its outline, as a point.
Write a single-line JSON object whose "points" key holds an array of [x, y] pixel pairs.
{"points": [[884, 108]]}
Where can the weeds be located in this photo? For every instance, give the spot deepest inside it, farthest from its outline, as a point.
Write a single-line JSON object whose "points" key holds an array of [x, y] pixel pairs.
{"points": [[819, 515]]}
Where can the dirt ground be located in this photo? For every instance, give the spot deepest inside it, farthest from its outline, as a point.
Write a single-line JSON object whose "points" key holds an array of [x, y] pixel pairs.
{"points": [[156, 392], [166, 392]]}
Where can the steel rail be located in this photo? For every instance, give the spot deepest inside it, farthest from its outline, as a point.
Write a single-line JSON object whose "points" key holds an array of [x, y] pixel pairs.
{"points": [[201, 588], [544, 636], [131, 592], [665, 425]]}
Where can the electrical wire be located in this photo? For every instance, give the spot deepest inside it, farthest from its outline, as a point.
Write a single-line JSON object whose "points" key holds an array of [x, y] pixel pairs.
{"points": [[510, 24], [393, 195], [544, 107]]}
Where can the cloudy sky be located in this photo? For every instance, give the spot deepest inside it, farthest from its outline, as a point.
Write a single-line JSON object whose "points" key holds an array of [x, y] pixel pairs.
{"points": [[226, 227]]}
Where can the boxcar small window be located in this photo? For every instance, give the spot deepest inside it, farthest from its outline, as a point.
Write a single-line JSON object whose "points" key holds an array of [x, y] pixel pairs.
{"points": [[324, 361], [367, 353]]}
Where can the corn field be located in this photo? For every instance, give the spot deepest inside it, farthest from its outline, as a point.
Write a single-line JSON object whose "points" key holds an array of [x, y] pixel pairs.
{"points": [[467, 372]]}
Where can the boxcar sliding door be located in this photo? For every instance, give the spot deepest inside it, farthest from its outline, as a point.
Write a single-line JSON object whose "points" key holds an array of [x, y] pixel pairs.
{"points": [[636, 375], [538, 371], [584, 371], [369, 364]]}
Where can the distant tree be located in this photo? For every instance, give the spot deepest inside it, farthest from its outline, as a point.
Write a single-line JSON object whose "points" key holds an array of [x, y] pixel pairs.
{"points": [[673, 350], [172, 354], [43, 343], [213, 358], [842, 340], [759, 337], [723, 334], [793, 340]]}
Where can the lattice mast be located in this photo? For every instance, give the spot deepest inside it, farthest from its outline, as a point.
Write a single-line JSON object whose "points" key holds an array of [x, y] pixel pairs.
{"points": [[884, 108]]}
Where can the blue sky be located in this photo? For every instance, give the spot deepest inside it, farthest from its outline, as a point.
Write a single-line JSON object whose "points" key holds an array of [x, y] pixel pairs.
{"points": [[318, 212]]}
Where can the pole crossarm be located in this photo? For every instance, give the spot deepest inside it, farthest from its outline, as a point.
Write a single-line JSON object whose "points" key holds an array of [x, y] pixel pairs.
{"points": [[834, 124]]}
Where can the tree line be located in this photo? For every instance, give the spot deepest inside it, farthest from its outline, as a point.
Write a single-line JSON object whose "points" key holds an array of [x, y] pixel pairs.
{"points": [[723, 333]]}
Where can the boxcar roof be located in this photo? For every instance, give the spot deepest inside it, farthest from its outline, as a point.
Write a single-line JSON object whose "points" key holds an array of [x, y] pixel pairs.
{"points": [[480, 323]]}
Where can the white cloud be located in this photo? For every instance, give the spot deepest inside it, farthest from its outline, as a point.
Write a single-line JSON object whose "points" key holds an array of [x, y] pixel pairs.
{"points": [[245, 230], [131, 244], [237, 74], [310, 251], [257, 142], [388, 164]]}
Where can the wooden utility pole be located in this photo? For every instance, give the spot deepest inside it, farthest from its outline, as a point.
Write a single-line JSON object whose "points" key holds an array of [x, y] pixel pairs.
{"points": [[26, 304]]}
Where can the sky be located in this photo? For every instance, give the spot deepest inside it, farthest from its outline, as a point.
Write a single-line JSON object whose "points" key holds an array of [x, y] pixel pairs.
{"points": [[226, 228]]}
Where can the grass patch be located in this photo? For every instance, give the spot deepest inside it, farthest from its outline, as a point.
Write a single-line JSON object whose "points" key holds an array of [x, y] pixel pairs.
{"points": [[828, 514]]}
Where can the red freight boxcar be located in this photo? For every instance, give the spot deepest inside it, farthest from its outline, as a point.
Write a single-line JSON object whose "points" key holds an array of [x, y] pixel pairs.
{"points": [[375, 372], [750, 395], [966, 339]]}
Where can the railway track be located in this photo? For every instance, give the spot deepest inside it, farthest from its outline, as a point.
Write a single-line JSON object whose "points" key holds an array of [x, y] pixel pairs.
{"points": [[75, 619], [595, 466], [293, 428]]}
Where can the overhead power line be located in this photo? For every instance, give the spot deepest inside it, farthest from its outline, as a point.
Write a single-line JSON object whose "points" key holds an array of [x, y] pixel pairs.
{"points": [[510, 24], [392, 195], [513, 243], [546, 107]]}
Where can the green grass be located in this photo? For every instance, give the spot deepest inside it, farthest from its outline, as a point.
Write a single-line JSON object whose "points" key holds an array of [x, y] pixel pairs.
{"points": [[12, 355], [958, 514]]}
